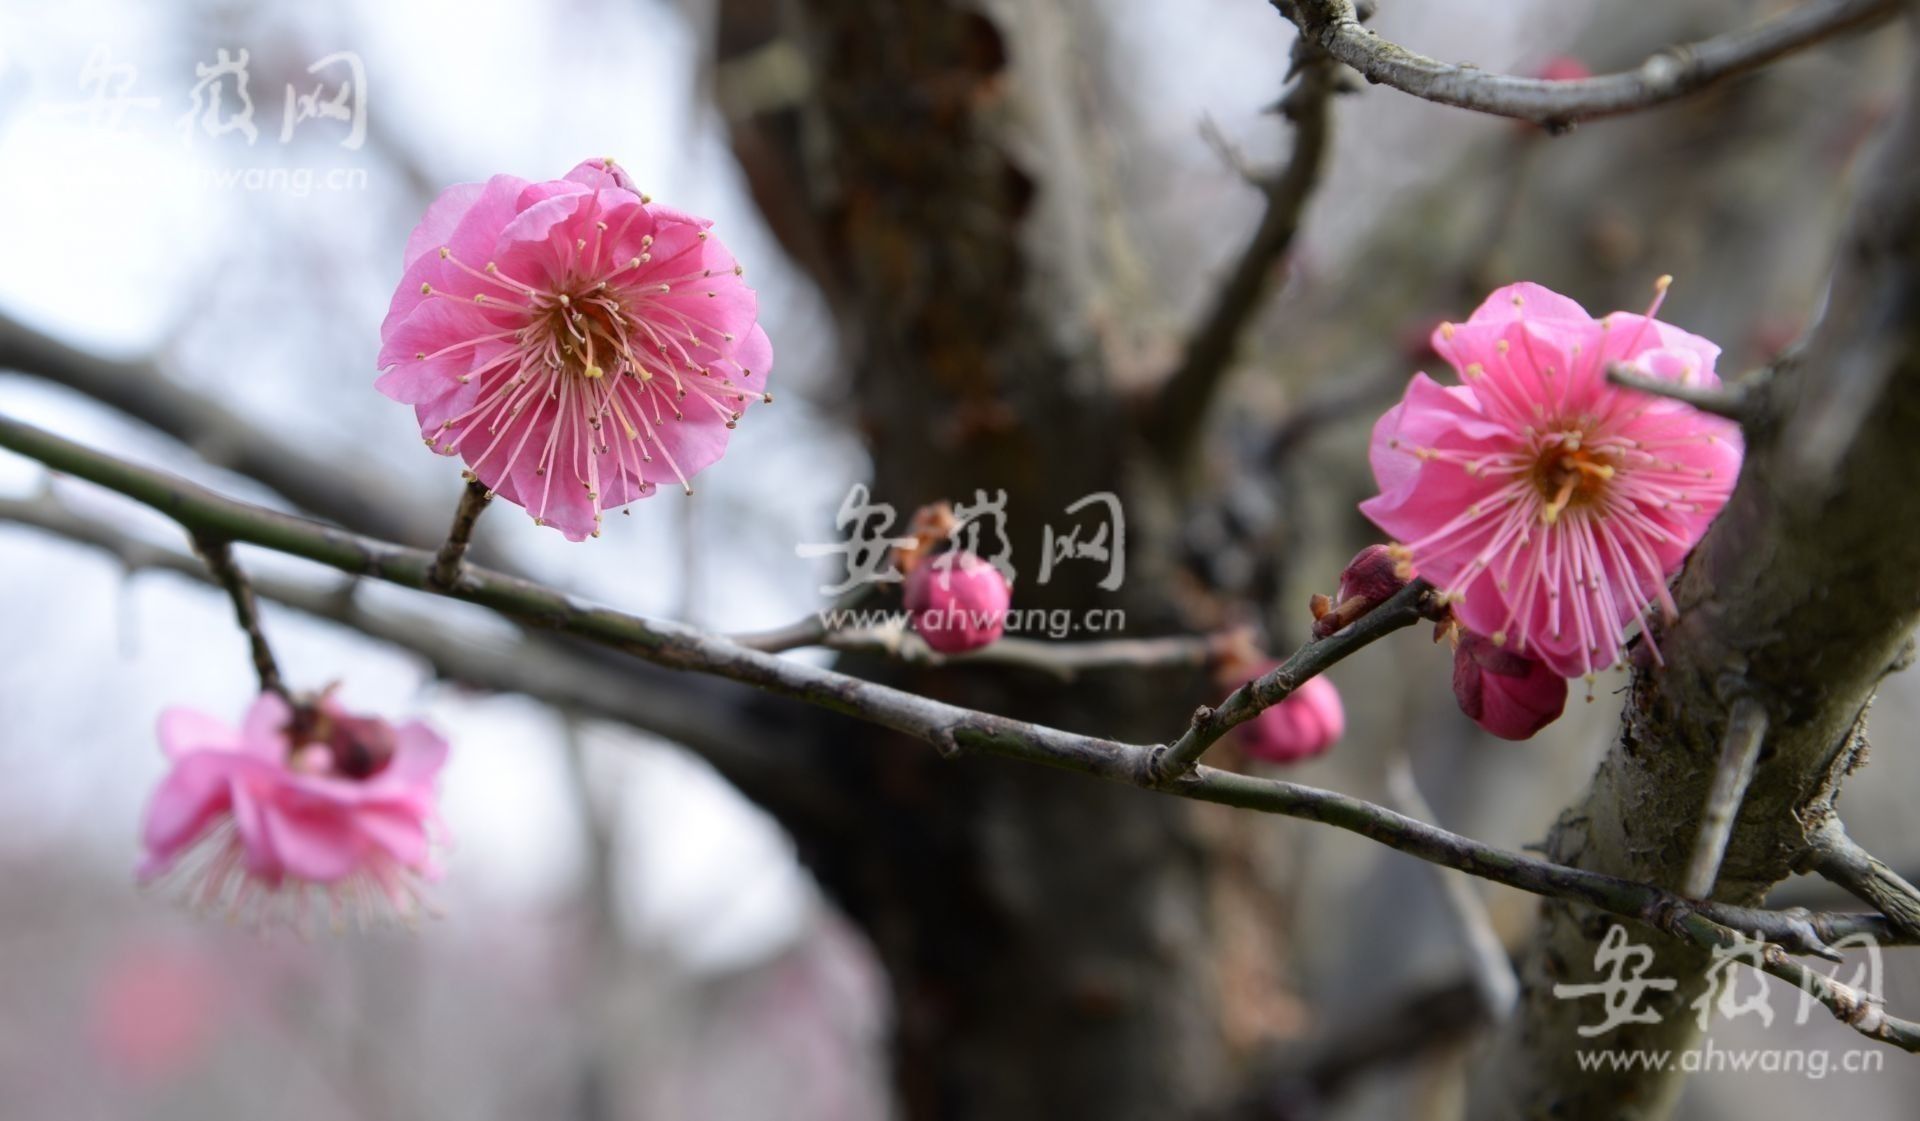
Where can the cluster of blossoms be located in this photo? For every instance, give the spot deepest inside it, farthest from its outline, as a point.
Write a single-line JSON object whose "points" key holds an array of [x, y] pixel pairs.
{"points": [[575, 344], [1549, 505], [301, 807], [572, 341]]}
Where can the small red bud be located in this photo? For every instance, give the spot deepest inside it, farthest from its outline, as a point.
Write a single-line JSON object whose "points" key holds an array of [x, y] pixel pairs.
{"points": [[1370, 579], [1508, 694]]}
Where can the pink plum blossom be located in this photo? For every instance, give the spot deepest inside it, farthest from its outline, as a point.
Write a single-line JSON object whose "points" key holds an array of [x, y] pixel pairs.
{"points": [[1548, 504], [1508, 695], [263, 820], [957, 602], [572, 341], [1303, 725]]}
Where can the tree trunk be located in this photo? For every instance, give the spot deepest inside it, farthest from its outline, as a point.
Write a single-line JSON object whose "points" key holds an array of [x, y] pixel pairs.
{"points": [[1800, 598]]}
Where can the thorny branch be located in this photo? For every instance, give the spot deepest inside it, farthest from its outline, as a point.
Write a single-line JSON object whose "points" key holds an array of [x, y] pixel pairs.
{"points": [[951, 728], [1671, 74]]}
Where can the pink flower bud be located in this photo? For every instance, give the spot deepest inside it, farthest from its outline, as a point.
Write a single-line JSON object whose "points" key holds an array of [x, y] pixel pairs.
{"points": [[1371, 578], [1375, 573], [958, 602], [1300, 727], [1509, 695]]}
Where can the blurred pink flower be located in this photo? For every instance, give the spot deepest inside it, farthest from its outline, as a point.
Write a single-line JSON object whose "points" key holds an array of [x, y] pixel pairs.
{"points": [[1563, 68], [259, 825], [1300, 727], [572, 341], [1511, 696], [957, 602], [1550, 505], [154, 1009]]}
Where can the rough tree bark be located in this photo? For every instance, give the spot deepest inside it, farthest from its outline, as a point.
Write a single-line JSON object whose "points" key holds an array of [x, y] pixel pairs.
{"points": [[1048, 941], [1800, 598]]}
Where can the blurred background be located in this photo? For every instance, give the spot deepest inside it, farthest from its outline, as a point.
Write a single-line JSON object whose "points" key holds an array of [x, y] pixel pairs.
{"points": [[980, 236]]}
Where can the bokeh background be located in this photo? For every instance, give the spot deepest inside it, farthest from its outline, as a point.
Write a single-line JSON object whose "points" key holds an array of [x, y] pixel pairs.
{"points": [[624, 934]]}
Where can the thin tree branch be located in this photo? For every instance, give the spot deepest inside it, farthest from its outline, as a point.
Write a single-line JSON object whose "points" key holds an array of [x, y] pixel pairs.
{"points": [[949, 728], [1064, 661], [1746, 731], [1408, 606], [1860, 1011], [529, 663], [323, 486], [1671, 74], [1180, 407], [218, 555], [1839, 859], [1733, 401], [1487, 959], [808, 630], [448, 561]]}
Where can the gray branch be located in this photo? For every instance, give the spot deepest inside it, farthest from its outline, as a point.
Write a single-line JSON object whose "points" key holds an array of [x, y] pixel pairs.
{"points": [[1671, 74], [951, 729]]}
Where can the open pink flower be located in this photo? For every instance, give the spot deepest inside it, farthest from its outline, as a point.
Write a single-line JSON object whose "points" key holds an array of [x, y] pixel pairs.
{"points": [[1550, 505], [1308, 722], [260, 820], [572, 341], [957, 601], [1508, 695]]}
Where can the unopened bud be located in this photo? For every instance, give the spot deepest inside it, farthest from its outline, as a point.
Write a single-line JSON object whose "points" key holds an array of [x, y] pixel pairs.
{"points": [[1371, 578], [958, 602], [1508, 694]]}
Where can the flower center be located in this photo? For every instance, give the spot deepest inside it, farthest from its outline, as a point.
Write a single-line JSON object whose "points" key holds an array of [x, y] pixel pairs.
{"points": [[588, 333], [1569, 475]]}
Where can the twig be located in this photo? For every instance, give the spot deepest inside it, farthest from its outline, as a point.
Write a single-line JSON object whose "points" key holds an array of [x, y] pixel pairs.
{"points": [[1408, 606], [1746, 731], [1840, 860], [543, 667], [1673, 73], [948, 727], [1064, 661], [217, 552], [448, 561], [1860, 1011], [1733, 401], [321, 485], [1180, 406], [808, 630], [1492, 969]]}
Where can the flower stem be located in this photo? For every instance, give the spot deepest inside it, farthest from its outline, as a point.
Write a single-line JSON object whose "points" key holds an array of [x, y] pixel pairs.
{"points": [[448, 561], [217, 552]]}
